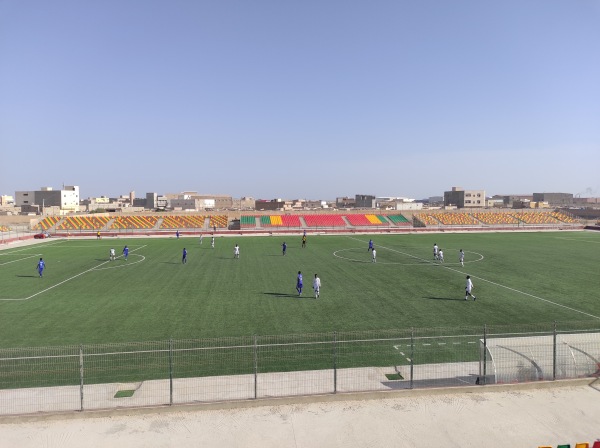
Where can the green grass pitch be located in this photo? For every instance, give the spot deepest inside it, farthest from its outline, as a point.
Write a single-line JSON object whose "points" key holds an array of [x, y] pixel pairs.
{"points": [[84, 298]]}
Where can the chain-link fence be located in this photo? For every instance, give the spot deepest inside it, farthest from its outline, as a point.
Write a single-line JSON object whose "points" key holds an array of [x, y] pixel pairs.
{"points": [[104, 376]]}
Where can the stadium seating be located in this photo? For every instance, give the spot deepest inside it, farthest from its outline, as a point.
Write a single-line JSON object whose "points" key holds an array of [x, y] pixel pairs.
{"points": [[219, 221], [290, 220], [367, 220], [456, 219], [359, 220], [83, 223], [495, 218], [247, 222], [134, 222], [536, 217], [427, 219], [563, 217], [47, 223], [182, 222], [324, 220], [582, 445], [399, 220]]}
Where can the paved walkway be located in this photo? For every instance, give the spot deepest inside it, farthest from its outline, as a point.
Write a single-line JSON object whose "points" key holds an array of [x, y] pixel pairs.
{"points": [[495, 416]]}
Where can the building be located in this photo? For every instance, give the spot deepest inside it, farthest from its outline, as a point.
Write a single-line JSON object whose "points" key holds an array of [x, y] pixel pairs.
{"points": [[460, 198], [6, 200], [193, 204], [273, 204], [345, 202], [554, 199], [365, 201], [66, 200], [510, 199], [244, 203], [221, 202]]}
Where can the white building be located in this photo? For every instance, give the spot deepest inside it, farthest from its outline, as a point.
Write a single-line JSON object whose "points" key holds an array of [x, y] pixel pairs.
{"points": [[66, 199]]}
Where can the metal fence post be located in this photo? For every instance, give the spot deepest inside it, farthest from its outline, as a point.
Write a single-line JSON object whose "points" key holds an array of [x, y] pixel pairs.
{"points": [[335, 362], [81, 377], [255, 366], [554, 352], [171, 372], [484, 354], [412, 355]]}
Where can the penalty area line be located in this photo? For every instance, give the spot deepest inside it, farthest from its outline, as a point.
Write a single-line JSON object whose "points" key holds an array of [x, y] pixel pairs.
{"points": [[54, 286], [65, 281]]}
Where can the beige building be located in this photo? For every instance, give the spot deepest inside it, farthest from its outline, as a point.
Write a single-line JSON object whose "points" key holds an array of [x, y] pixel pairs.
{"points": [[67, 199], [460, 198]]}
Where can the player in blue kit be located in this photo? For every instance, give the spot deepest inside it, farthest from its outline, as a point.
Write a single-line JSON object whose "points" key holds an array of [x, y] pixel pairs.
{"points": [[40, 267], [284, 247], [125, 252], [370, 245], [299, 283], [184, 256]]}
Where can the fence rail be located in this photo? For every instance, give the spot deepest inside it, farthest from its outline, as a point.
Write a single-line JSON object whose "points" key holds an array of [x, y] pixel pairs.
{"points": [[103, 376]]}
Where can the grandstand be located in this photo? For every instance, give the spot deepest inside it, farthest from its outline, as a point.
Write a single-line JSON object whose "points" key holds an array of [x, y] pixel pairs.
{"points": [[536, 218], [268, 221], [427, 219], [219, 221], [248, 222], [324, 221], [495, 218], [456, 219], [47, 223], [291, 221], [182, 222], [359, 220], [134, 222], [83, 223], [334, 221], [399, 220], [563, 217]]}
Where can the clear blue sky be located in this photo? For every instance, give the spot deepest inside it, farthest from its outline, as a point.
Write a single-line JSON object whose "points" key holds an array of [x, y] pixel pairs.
{"points": [[300, 99]]}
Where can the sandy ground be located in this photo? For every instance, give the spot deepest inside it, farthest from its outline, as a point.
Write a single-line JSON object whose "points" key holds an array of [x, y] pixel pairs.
{"points": [[508, 416]]}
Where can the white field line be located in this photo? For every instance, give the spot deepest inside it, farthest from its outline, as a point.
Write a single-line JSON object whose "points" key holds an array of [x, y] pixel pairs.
{"points": [[20, 259], [64, 281], [577, 239], [493, 283], [13, 251]]}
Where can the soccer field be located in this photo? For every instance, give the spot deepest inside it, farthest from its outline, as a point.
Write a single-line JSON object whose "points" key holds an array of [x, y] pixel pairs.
{"points": [[84, 298]]}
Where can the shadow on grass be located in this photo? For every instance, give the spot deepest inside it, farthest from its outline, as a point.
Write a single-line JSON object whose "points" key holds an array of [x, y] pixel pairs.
{"points": [[280, 294], [27, 276], [444, 298]]}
